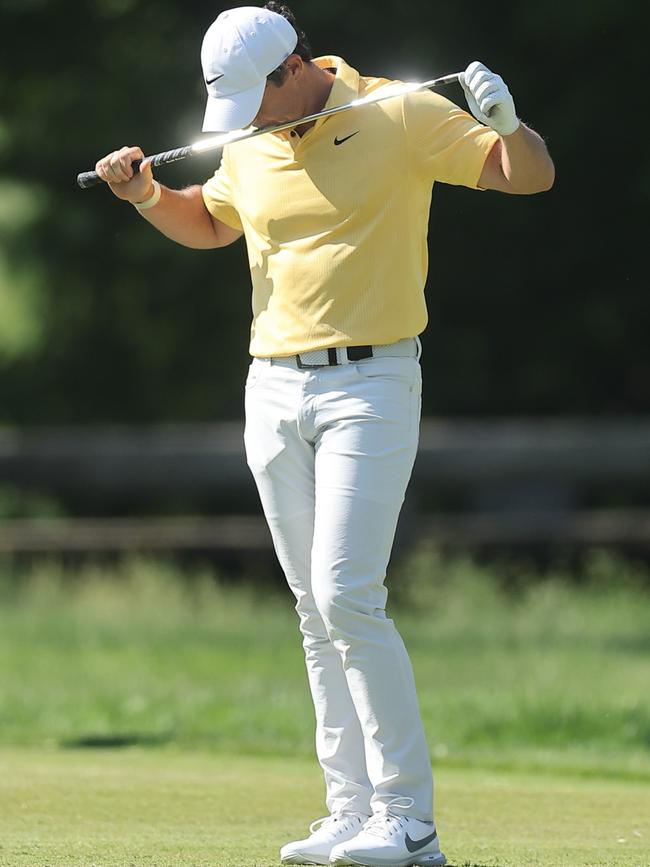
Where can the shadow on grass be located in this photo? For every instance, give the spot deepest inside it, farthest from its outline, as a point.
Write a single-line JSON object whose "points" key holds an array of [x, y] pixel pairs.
{"points": [[132, 739]]}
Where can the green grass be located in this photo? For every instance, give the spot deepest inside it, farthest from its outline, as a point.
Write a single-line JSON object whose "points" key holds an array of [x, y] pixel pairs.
{"points": [[535, 702], [551, 676], [165, 807]]}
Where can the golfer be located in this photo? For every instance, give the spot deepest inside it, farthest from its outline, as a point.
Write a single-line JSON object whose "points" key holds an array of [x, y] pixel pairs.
{"points": [[334, 214]]}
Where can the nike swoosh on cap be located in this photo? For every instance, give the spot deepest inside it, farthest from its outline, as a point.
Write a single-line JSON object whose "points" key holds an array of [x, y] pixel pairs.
{"points": [[339, 141], [414, 845], [216, 78]]}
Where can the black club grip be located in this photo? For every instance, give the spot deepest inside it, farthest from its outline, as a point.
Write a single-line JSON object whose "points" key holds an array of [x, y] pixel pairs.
{"points": [[91, 179], [88, 179]]}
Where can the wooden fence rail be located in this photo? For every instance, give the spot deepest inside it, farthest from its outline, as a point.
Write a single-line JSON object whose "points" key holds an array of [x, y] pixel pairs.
{"points": [[518, 481], [211, 456]]}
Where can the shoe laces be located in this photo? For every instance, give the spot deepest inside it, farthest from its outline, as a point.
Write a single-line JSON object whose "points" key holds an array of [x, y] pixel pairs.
{"points": [[327, 821], [386, 822]]}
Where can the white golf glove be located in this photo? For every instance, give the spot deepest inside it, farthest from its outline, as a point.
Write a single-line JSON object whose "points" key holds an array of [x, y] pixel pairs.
{"points": [[489, 99]]}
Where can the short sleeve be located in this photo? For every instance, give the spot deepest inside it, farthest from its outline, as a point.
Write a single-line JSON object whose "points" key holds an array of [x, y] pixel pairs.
{"points": [[218, 195], [446, 143]]}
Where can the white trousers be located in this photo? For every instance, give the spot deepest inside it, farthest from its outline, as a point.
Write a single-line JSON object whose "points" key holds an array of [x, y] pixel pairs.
{"points": [[331, 451]]}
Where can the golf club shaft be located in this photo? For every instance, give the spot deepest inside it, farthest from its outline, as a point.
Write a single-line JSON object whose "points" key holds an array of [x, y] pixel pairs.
{"points": [[91, 179]]}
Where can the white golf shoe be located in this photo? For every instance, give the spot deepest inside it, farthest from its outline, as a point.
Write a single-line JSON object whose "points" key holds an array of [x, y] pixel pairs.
{"points": [[389, 838], [315, 849]]}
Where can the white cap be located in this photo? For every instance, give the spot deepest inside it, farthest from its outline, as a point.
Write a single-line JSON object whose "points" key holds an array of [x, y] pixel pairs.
{"points": [[239, 50]]}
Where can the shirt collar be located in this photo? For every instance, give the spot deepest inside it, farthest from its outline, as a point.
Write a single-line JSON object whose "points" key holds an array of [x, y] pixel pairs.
{"points": [[346, 86]]}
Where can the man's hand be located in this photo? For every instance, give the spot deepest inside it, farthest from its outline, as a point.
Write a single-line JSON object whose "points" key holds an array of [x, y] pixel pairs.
{"points": [[489, 99], [117, 170]]}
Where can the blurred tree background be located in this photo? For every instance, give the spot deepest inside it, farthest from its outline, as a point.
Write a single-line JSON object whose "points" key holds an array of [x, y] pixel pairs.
{"points": [[537, 305]]}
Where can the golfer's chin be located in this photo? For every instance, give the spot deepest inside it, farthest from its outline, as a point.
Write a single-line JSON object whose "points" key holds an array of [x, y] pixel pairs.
{"points": [[261, 122]]}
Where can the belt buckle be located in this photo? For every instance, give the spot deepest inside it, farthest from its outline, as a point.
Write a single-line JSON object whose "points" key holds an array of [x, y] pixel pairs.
{"points": [[302, 366], [332, 356]]}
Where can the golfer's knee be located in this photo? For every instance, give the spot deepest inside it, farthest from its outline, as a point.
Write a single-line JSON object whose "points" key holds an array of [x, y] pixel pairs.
{"points": [[311, 623], [342, 609]]}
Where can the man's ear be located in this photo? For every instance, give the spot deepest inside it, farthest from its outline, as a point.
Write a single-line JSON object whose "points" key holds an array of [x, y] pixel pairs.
{"points": [[295, 64]]}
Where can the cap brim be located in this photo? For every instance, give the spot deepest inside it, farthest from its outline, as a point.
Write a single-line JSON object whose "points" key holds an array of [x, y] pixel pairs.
{"points": [[236, 111]]}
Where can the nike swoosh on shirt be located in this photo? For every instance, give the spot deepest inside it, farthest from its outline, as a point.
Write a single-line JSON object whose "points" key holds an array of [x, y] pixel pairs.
{"points": [[338, 141], [216, 78], [414, 845]]}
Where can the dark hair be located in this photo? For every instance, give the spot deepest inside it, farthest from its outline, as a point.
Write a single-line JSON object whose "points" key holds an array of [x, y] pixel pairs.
{"points": [[302, 49]]}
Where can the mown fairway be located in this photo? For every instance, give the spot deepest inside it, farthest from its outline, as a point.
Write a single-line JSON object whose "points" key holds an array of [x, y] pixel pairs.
{"points": [[165, 808], [536, 704]]}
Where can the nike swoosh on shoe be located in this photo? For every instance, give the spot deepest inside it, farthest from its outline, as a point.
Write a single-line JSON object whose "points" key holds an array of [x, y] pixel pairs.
{"points": [[414, 845]]}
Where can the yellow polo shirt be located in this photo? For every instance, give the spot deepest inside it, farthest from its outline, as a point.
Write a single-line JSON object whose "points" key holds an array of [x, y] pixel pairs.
{"points": [[336, 221]]}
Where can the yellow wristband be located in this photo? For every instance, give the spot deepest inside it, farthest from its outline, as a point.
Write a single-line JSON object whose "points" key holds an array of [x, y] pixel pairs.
{"points": [[153, 199]]}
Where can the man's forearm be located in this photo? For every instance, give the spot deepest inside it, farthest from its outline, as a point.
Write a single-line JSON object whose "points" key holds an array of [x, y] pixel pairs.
{"points": [[525, 161], [182, 216]]}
